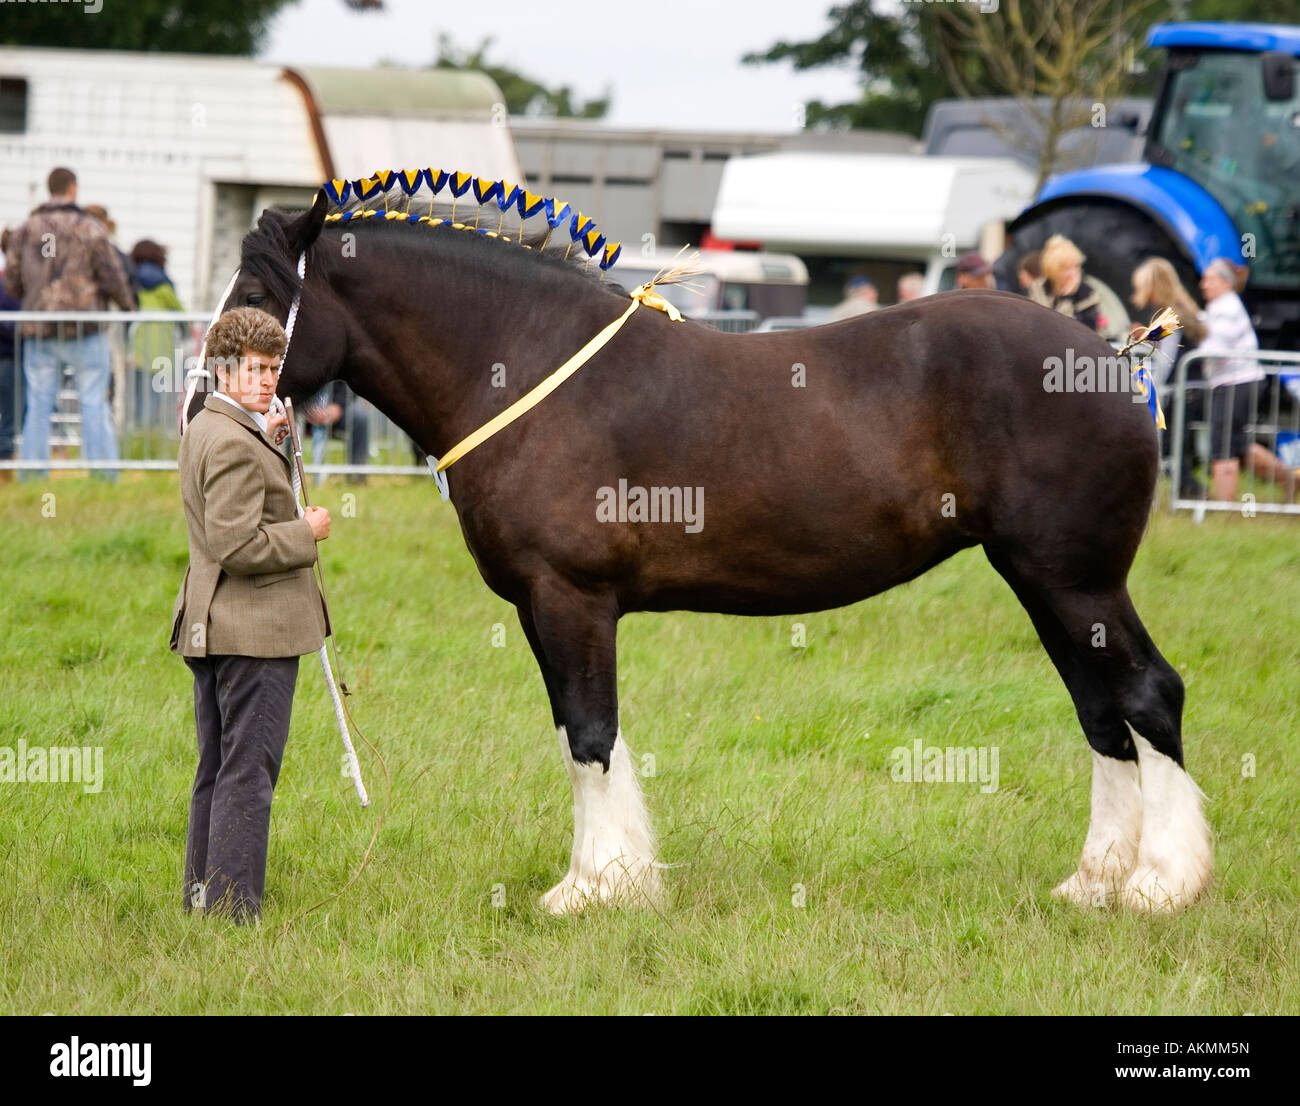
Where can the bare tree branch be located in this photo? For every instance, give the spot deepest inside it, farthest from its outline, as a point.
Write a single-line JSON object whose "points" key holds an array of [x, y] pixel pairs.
{"points": [[1056, 58]]}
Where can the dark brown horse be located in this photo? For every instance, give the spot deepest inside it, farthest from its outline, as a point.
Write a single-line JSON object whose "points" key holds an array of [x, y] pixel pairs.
{"points": [[763, 474]]}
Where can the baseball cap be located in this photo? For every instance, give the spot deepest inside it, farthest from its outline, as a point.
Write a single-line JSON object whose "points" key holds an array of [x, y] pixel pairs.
{"points": [[973, 263]]}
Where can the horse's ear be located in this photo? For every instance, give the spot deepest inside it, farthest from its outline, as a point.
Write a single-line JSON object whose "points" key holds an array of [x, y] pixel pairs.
{"points": [[303, 231]]}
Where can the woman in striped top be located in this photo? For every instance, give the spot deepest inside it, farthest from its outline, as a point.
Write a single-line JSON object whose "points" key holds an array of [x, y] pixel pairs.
{"points": [[1234, 383]]}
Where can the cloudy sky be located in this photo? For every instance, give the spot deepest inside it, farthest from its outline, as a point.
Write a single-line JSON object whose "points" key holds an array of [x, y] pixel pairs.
{"points": [[670, 63]]}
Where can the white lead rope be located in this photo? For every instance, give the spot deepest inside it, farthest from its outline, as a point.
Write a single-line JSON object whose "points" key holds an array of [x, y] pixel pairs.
{"points": [[354, 766], [202, 372]]}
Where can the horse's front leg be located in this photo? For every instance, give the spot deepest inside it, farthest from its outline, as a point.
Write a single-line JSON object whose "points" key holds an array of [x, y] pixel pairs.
{"points": [[572, 633]]}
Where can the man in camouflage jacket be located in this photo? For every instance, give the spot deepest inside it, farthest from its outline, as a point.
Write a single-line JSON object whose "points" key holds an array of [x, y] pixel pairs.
{"points": [[61, 259]]}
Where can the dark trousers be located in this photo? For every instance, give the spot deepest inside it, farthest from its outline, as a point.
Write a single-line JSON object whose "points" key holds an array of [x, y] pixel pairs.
{"points": [[1194, 412], [241, 712], [9, 413]]}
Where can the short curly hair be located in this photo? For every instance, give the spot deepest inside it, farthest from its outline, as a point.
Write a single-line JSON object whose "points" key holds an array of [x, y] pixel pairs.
{"points": [[245, 329]]}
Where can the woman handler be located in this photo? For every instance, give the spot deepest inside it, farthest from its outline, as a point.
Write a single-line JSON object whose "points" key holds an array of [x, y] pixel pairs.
{"points": [[248, 608]]}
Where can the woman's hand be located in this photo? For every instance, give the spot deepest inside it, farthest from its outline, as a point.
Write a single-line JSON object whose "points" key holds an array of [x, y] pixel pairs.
{"points": [[277, 427]]}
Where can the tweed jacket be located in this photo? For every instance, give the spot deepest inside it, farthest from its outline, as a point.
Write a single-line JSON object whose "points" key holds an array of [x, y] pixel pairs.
{"points": [[249, 588]]}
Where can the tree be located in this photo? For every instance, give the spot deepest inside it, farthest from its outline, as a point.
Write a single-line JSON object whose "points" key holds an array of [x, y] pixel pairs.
{"points": [[523, 95], [1061, 60], [898, 53], [170, 26], [895, 53]]}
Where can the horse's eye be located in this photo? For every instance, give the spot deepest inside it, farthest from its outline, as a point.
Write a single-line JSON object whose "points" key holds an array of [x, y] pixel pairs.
{"points": [[254, 298]]}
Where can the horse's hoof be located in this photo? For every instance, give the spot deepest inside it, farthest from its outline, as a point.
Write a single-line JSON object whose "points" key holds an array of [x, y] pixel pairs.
{"points": [[569, 896], [573, 894], [1080, 891], [1089, 893], [1151, 891]]}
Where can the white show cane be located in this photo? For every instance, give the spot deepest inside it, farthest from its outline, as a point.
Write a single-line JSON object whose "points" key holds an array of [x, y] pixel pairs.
{"points": [[300, 498]]}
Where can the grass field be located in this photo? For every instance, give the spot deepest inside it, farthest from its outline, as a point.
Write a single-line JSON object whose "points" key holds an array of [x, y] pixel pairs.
{"points": [[805, 879]]}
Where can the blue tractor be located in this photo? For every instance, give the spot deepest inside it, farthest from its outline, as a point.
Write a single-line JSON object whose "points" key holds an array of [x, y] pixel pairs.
{"points": [[1219, 177]]}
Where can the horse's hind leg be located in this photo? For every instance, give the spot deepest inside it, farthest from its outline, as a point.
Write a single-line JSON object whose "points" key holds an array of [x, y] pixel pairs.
{"points": [[1175, 849], [613, 860], [1176, 852], [1110, 850]]}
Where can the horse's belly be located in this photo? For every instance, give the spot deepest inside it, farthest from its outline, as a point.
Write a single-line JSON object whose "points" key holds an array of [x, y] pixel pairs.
{"points": [[778, 582]]}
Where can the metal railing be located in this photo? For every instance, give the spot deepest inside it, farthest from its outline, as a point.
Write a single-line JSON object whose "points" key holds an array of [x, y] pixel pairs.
{"points": [[786, 322], [732, 321], [146, 400], [1273, 423], [147, 355]]}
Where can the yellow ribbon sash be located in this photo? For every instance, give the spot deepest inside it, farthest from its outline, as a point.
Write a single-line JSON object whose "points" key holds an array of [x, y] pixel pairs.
{"points": [[645, 294]]}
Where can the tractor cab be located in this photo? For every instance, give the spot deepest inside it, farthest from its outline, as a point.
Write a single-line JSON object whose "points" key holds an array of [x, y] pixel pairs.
{"points": [[1227, 116], [1220, 177]]}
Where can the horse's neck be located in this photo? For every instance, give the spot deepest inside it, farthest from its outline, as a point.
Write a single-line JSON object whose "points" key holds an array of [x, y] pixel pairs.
{"points": [[443, 352]]}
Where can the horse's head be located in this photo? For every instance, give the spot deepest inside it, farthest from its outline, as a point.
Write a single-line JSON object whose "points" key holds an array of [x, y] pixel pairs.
{"points": [[268, 279]]}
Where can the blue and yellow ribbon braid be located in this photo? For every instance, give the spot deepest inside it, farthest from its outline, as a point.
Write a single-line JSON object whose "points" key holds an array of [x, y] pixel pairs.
{"points": [[365, 191]]}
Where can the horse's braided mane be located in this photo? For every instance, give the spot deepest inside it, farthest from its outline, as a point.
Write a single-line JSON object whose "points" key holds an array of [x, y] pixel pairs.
{"points": [[410, 195], [269, 256], [407, 198]]}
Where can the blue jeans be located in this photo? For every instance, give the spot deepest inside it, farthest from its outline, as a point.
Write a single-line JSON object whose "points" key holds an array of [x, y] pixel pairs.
{"points": [[43, 363], [148, 404]]}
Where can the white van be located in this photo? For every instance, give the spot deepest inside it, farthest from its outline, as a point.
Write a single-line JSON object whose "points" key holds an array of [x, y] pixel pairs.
{"points": [[879, 215]]}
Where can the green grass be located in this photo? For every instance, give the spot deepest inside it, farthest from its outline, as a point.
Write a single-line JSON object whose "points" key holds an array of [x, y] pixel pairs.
{"points": [[772, 773]]}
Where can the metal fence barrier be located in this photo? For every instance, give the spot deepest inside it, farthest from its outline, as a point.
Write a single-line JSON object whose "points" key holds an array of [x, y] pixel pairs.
{"points": [[732, 321], [129, 366], [1272, 423], [136, 362]]}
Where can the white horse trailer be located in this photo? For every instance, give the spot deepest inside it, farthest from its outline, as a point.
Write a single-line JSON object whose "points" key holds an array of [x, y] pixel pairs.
{"points": [[188, 149]]}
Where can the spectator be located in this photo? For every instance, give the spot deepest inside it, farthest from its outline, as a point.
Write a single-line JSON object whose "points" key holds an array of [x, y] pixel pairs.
{"points": [[1063, 287], [101, 214], [973, 271], [910, 287], [860, 296], [154, 342], [1028, 269], [1155, 287], [80, 273], [116, 332], [8, 373], [1233, 382], [334, 410]]}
